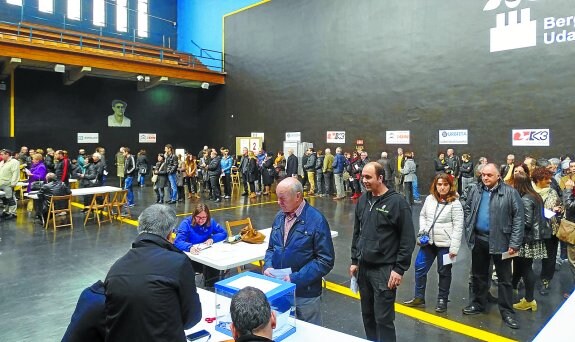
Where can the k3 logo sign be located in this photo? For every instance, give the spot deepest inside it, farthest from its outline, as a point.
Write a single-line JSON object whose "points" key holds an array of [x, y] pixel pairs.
{"points": [[531, 137], [335, 137], [514, 28]]}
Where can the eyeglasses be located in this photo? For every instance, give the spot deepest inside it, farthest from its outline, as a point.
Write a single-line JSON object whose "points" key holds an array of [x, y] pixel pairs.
{"points": [[201, 217]]}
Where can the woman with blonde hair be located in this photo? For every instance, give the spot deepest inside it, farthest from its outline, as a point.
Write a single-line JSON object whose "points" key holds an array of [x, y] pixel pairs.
{"points": [[440, 231]]}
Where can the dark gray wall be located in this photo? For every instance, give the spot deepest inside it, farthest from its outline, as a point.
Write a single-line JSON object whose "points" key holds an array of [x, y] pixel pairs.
{"points": [[370, 66], [50, 114]]}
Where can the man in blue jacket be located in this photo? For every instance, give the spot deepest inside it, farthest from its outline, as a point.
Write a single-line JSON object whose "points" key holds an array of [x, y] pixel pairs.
{"points": [[300, 241], [338, 166]]}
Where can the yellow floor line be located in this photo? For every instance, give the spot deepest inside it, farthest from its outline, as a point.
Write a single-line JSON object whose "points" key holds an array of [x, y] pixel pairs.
{"points": [[430, 318]]}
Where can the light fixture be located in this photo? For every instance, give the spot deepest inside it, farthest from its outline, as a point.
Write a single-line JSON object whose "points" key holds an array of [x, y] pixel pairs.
{"points": [[60, 68], [205, 85], [140, 78], [146, 78]]}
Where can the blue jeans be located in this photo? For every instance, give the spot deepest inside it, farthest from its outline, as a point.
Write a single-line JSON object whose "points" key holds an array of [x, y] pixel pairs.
{"points": [[415, 190], [425, 258], [173, 187], [128, 186], [142, 179]]}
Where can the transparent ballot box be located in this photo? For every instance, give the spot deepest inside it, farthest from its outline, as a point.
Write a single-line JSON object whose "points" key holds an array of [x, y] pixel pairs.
{"points": [[280, 295]]}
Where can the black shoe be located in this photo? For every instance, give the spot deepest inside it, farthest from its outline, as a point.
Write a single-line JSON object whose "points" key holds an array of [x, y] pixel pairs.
{"points": [[10, 217], [511, 322], [472, 310], [217, 200], [171, 202], [5, 214], [441, 305], [415, 303], [245, 194]]}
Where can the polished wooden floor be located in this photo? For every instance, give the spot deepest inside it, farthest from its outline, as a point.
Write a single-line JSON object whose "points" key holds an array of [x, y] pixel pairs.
{"points": [[42, 273]]}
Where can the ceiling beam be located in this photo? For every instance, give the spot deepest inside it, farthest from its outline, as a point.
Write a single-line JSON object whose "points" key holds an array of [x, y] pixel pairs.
{"points": [[154, 82], [75, 74], [10, 65]]}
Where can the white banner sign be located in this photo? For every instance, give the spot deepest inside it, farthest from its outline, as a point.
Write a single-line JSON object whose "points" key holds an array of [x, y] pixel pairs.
{"points": [[453, 137], [258, 135], [293, 136], [145, 138], [530, 137], [397, 137], [335, 137], [88, 138]]}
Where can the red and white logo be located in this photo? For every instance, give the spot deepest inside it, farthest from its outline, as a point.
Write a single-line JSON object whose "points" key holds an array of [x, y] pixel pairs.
{"points": [[530, 137]]}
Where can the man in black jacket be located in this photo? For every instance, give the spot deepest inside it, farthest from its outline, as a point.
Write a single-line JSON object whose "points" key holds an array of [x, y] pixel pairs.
{"points": [[214, 173], [151, 292], [53, 187], [244, 162], [129, 174], [494, 225], [381, 248], [309, 169], [291, 165]]}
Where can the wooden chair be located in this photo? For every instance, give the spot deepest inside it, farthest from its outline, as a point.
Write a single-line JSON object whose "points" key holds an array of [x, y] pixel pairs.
{"points": [[96, 207], [234, 228], [53, 212], [235, 177], [119, 202]]}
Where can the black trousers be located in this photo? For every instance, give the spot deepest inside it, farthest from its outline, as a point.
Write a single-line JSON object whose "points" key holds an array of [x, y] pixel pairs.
{"points": [[328, 180], [480, 273], [548, 264], [377, 302], [245, 182], [215, 186], [228, 184], [523, 268]]}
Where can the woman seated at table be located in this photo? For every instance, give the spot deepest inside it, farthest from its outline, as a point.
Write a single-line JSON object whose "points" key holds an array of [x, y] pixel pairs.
{"points": [[199, 229]]}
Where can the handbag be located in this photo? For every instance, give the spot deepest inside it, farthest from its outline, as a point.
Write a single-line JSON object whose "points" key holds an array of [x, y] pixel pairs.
{"points": [[154, 178], [423, 237], [143, 170], [250, 235], [36, 185], [566, 232]]}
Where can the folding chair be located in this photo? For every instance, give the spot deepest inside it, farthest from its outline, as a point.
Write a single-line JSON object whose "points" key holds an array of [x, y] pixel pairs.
{"points": [[234, 228], [119, 201], [96, 209], [53, 212], [235, 178]]}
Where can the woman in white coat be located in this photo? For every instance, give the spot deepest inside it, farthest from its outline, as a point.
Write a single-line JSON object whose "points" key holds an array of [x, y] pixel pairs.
{"points": [[441, 224]]}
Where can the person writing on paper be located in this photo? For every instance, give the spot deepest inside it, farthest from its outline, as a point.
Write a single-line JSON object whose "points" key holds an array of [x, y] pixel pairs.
{"points": [[381, 248], [150, 291], [300, 241], [252, 317], [533, 247], [197, 232], [440, 230], [493, 225]]}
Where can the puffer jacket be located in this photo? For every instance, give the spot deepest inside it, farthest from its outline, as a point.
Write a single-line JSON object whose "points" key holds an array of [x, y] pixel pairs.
{"points": [[408, 171], [308, 250], [506, 217], [536, 226], [448, 227], [215, 167]]}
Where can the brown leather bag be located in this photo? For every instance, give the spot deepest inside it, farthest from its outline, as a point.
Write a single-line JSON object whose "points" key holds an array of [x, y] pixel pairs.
{"points": [[566, 232], [250, 235]]}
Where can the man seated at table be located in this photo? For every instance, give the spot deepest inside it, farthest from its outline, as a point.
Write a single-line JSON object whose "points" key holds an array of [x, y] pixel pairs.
{"points": [[198, 231], [252, 317], [150, 295], [300, 241], [53, 187]]}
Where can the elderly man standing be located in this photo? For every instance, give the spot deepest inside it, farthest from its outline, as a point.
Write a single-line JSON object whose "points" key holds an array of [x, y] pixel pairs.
{"points": [[494, 226], [381, 248], [300, 246], [9, 175], [151, 291]]}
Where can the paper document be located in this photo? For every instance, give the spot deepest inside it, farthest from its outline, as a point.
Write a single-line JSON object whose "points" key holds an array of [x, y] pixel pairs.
{"points": [[447, 260], [353, 285], [280, 273], [506, 255], [548, 213], [203, 246]]}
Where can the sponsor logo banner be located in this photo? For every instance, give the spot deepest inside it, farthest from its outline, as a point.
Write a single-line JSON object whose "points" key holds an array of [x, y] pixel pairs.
{"points": [[88, 138], [335, 137], [293, 136], [453, 137], [145, 138], [530, 137], [397, 137]]}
